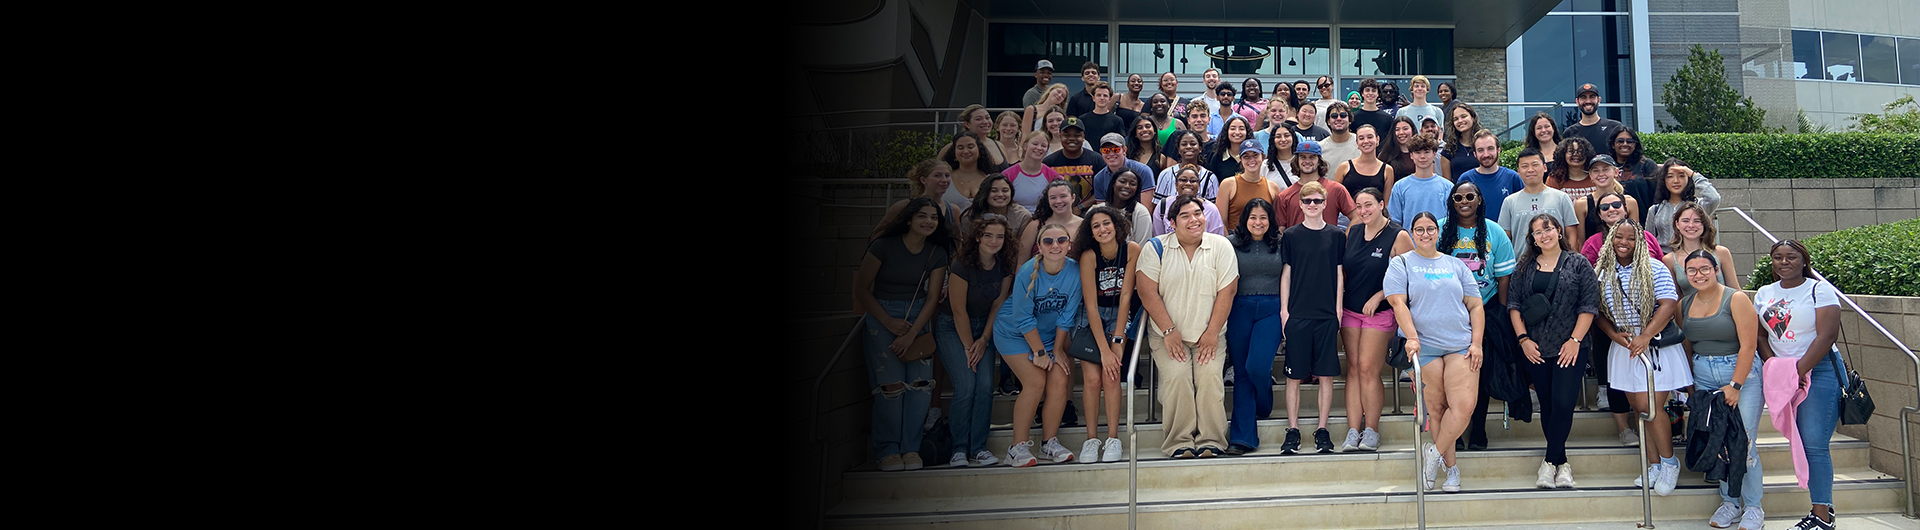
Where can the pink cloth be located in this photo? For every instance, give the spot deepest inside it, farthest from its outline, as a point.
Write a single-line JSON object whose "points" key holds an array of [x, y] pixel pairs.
{"points": [[1592, 248], [1781, 379]]}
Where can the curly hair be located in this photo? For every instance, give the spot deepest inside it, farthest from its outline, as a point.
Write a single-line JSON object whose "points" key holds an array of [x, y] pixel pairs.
{"points": [[1242, 236], [1044, 210], [920, 171], [1450, 235], [1562, 162], [980, 206], [942, 236], [987, 163], [969, 252], [1084, 241]]}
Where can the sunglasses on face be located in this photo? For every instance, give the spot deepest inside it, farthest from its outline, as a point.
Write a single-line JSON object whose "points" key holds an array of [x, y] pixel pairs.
{"points": [[1625, 141], [1051, 240], [1313, 201], [1326, 85], [1111, 150], [1465, 197], [1338, 116], [1611, 205]]}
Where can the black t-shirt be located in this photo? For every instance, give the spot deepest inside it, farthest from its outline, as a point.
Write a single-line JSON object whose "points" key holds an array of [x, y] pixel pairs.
{"points": [[1315, 133], [902, 274], [1381, 120], [1314, 256], [1098, 125], [1080, 103], [1366, 264], [1109, 277], [983, 287], [1597, 134]]}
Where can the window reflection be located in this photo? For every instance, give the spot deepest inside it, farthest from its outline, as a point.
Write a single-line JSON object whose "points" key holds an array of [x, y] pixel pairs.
{"points": [[1806, 55], [1877, 60], [1842, 52]]}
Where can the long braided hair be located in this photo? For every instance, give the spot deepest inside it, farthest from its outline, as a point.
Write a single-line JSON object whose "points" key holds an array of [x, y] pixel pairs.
{"points": [[1617, 306]]}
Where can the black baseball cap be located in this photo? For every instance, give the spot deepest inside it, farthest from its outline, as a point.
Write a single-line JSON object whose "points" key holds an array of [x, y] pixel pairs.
{"points": [[1074, 122], [1585, 89]]}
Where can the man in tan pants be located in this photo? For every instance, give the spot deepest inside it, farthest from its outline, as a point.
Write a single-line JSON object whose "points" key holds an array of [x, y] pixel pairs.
{"points": [[1187, 287]]}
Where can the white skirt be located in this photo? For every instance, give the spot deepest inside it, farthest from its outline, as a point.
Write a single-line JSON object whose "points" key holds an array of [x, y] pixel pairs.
{"points": [[1628, 374]]}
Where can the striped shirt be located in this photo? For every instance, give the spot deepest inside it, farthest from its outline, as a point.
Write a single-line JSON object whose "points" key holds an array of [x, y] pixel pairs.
{"points": [[1662, 290]]}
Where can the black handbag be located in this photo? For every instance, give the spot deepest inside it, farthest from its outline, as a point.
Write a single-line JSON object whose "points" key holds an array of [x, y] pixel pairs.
{"points": [[1396, 344], [1536, 309], [1671, 335], [1856, 405], [1080, 345]]}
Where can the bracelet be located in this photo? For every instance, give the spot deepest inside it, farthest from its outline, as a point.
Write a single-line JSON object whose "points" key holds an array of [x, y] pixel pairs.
{"points": [[1524, 336]]}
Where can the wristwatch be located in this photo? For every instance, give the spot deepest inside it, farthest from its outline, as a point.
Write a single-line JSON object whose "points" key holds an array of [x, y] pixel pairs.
{"points": [[1736, 386], [1116, 339]]}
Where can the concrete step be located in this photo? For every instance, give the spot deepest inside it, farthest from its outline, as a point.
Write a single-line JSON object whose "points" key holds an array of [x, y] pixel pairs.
{"points": [[1309, 401]]}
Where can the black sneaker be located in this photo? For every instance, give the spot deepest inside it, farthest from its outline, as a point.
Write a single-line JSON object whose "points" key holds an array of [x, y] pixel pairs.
{"points": [[1810, 522], [1237, 449], [1071, 418], [1292, 445], [1322, 441]]}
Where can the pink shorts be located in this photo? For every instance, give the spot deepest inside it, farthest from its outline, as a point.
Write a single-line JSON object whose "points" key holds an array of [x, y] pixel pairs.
{"points": [[1381, 320]]}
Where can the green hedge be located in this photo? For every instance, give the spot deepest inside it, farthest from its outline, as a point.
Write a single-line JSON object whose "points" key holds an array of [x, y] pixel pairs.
{"points": [[1847, 155], [1882, 259]]}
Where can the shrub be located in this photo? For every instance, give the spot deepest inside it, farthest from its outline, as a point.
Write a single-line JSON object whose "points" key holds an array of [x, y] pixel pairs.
{"points": [[1882, 259], [1848, 155]]}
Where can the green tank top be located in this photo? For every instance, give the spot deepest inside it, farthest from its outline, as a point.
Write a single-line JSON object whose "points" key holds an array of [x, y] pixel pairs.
{"points": [[1712, 336]]}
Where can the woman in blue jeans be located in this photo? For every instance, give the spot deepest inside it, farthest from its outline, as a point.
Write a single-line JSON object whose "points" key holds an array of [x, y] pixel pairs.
{"points": [[1253, 326], [976, 286], [1801, 316], [898, 288], [1721, 334]]}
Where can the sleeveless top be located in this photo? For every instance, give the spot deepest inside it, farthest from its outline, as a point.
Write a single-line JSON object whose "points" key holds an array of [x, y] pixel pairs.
{"points": [[1403, 165], [1366, 264], [1686, 287], [955, 201], [1243, 196], [1354, 181], [1165, 133], [1109, 276], [1593, 214], [1712, 336]]}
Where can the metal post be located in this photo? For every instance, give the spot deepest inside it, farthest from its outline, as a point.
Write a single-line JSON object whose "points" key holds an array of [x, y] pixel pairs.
{"points": [[1646, 481], [1133, 436], [1419, 450]]}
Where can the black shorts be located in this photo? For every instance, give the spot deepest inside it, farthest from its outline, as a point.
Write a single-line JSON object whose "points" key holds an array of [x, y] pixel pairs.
{"points": [[1310, 348]]}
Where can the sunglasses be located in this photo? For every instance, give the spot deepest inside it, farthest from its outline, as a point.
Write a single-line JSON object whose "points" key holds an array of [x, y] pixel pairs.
{"points": [[1326, 85], [1625, 141], [1612, 205], [1465, 197], [1313, 201], [1051, 240], [1111, 150], [1338, 116]]}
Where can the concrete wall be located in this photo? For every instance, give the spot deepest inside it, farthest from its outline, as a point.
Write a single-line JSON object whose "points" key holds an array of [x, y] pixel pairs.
{"points": [[1803, 208], [1828, 102], [1831, 103], [1483, 77], [1888, 372]]}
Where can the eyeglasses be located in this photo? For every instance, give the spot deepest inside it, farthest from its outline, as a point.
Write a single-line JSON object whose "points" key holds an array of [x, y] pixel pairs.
{"points": [[1326, 85], [1425, 229], [1611, 205], [1465, 197], [1545, 231], [1338, 116], [1624, 141], [1700, 271], [1313, 201], [1051, 240]]}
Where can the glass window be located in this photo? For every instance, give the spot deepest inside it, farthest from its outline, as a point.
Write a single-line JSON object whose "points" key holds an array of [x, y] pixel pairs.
{"points": [[1806, 55], [1018, 47], [1303, 51], [1910, 61], [1547, 58], [1364, 50], [1380, 51], [1877, 61], [1842, 51]]}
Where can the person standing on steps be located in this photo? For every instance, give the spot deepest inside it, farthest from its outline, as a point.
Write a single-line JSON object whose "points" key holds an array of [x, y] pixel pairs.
{"points": [[1036, 318], [1253, 327], [1309, 167], [1325, 85], [1801, 318], [1366, 320], [897, 287], [1534, 197], [1639, 300], [1554, 277], [1569, 173], [1107, 263], [1422, 190], [977, 285], [1438, 308], [1723, 332], [1310, 287], [1042, 76], [1187, 281], [1248, 183], [1596, 130], [1340, 144], [1484, 246], [1366, 170], [1693, 230], [1498, 183]]}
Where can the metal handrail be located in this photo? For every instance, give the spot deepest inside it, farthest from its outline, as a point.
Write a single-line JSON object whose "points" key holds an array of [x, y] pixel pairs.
{"points": [[1133, 435], [1646, 478], [1420, 420], [820, 502], [1906, 455]]}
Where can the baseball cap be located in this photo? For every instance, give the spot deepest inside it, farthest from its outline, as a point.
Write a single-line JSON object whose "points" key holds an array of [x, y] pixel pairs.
{"points": [[1111, 139], [1044, 64], [1074, 122], [1602, 159], [1584, 89], [1251, 145], [1308, 146]]}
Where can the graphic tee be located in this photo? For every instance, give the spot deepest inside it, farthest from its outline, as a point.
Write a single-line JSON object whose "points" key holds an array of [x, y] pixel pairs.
{"points": [[1786, 315], [1499, 260]]}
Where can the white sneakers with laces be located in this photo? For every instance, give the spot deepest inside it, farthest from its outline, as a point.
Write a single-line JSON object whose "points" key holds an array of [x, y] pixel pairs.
{"points": [[1564, 479], [1353, 441], [1112, 452], [1092, 447], [984, 458], [1453, 480], [1725, 516], [1052, 450], [1021, 455], [1545, 479]]}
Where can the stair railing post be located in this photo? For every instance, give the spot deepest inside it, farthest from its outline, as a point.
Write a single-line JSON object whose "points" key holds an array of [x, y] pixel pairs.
{"points": [[1646, 481], [1133, 437], [1419, 450]]}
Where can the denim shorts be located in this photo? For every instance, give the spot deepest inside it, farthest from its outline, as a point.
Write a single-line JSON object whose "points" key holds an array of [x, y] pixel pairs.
{"points": [[1109, 314], [1427, 358]]}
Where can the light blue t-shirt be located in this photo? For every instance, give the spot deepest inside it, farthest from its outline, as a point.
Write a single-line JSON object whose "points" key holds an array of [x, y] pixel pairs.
{"points": [[1044, 303], [1494, 188], [1435, 290], [1500, 259], [1414, 195], [1417, 112]]}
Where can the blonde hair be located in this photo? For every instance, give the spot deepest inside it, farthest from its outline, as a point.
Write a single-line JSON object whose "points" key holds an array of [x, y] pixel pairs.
{"points": [[1313, 188], [995, 133], [1035, 277], [1607, 269], [920, 171], [1418, 80]]}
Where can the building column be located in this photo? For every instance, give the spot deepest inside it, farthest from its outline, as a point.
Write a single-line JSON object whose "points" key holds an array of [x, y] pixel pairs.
{"points": [[1642, 69]]}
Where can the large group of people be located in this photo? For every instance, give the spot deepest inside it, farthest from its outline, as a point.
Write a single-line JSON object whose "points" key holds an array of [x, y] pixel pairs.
{"points": [[1246, 224]]}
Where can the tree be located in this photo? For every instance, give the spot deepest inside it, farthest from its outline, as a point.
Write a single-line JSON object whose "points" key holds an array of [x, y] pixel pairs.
{"points": [[1906, 122], [1700, 99]]}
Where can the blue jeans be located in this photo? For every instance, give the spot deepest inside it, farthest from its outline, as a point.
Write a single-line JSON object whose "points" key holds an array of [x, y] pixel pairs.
{"points": [[1713, 372], [897, 415], [1253, 336], [972, 387], [1816, 418]]}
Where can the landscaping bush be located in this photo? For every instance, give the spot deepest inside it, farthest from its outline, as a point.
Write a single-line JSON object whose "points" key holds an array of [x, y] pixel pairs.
{"points": [[1882, 259], [1847, 155]]}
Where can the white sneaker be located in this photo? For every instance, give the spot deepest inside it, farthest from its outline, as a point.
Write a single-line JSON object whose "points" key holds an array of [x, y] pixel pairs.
{"points": [[1092, 448], [1052, 450], [1564, 479], [1725, 516], [1602, 405], [1652, 471], [1753, 518], [1352, 443], [1669, 476], [1112, 452], [1629, 438], [892, 463], [1545, 479], [1432, 467], [1453, 480], [984, 458], [1229, 378], [1021, 455], [1369, 440], [958, 460]]}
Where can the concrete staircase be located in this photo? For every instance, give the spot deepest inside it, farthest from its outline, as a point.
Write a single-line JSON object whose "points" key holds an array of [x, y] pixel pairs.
{"points": [[1265, 489]]}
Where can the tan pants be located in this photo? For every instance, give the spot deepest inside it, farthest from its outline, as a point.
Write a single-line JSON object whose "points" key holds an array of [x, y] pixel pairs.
{"points": [[1192, 397]]}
